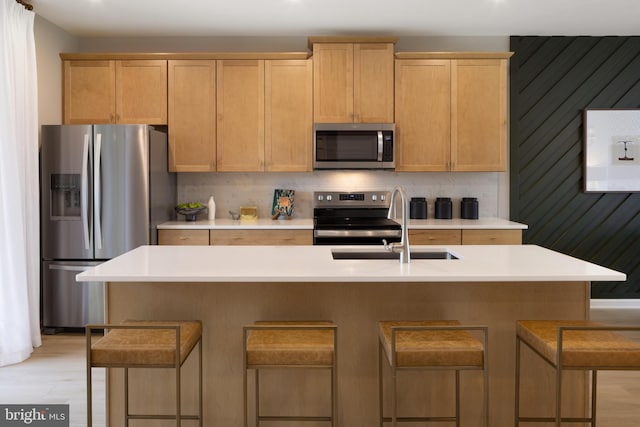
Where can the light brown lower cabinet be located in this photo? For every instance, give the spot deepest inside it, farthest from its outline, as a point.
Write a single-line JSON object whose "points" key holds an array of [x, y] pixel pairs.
{"points": [[183, 237], [465, 237], [491, 237], [235, 237], [261, 237], [305, 237], [435, 237]]}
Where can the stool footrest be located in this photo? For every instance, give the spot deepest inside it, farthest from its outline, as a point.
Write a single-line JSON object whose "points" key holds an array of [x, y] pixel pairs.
{"points": [[552, 420], [293, 418], [418, 419], [161, 417]]}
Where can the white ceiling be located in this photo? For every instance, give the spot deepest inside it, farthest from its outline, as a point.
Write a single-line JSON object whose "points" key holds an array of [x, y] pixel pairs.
{"points": [[108, 18]]}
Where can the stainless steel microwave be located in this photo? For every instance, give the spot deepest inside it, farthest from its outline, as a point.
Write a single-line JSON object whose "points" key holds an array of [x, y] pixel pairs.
{"points": [[354, 146]]}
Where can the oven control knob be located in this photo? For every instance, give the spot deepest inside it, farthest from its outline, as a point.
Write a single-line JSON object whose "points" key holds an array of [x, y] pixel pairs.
{"points": [[329, 197], [320, 197], [382, 197], [374, 197]]}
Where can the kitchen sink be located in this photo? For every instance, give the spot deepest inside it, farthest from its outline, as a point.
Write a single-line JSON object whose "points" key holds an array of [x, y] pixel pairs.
{"points": [[383, 254]]}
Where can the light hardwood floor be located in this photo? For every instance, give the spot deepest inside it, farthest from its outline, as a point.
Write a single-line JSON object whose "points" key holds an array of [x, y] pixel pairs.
{"points": [[56, 374]]}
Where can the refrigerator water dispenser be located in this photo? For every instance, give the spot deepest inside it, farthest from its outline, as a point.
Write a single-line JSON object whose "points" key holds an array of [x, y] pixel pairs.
{"points": [[65, 197]]}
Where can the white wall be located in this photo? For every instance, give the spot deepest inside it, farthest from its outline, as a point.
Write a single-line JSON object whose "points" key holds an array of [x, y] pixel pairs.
{"points": [[277, 44], [233, 190], [50, 41]]}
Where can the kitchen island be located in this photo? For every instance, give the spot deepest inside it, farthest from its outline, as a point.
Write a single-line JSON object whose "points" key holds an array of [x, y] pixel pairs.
{"points": [[227, 287]]}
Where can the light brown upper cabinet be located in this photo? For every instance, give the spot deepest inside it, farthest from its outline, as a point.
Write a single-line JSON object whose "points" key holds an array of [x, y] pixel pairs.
{"points": [[451, 113], [352, 82], [423, 115], [264, 115], [115, 91], [192, 115], [479, 115], [240, 115], [288, 115]]}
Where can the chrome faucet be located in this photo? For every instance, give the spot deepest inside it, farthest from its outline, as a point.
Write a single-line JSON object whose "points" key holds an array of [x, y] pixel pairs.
{"points": [[403, 246]]}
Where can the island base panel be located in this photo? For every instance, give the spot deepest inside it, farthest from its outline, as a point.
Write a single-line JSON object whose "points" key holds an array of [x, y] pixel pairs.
{"points": [[356, 307]]}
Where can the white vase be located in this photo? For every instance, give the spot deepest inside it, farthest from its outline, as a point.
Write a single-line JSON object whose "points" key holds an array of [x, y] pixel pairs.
{"points": [[211, 207]]}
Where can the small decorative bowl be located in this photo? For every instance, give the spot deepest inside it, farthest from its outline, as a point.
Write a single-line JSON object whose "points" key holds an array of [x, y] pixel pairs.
{"points": [[190, 214]]}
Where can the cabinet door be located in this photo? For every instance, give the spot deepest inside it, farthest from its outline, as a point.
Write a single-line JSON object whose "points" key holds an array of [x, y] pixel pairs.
{"points": [[192, 116], [183, 237], [373, 82], [288, 115], [491, 237], [435, 237], [333, 82], [261, 237], [423, 123], [240, 122], [479, 115], [141, 92], [89, 92]]}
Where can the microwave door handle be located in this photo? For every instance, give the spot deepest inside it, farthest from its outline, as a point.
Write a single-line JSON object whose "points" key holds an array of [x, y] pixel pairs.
{"points": [[96, 191], [84, 194], [380, 146]]}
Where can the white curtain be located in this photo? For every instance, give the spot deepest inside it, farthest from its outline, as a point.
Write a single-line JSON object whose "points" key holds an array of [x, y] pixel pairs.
{"points": [[19, 205]]}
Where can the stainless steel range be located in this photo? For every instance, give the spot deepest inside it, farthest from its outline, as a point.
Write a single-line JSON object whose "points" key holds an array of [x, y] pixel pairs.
{"points": [[353, 218]]}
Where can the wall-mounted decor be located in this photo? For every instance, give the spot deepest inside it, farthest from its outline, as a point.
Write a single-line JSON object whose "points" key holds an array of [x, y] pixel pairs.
{"points": [[612, 150]]}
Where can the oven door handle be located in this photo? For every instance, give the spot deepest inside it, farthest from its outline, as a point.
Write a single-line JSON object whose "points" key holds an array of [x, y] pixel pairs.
{"points": [[357, 233], [380, 146]]}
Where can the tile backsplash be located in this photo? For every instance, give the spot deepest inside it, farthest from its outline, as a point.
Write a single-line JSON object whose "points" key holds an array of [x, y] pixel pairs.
{"points": [[232, 190]]}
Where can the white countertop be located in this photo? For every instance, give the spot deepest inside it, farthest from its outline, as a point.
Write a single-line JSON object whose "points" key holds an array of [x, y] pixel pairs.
{"points": [[490, 263], [307, 224], [229, 224]]}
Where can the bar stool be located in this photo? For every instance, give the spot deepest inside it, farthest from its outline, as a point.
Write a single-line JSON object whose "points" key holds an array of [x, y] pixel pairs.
{"points": [[145, 344], [574, 345], [431, 345], [284, 344]]}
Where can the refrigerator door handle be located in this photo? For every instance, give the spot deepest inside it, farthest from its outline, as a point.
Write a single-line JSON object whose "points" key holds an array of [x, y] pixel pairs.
{"points": [[84, 195], [96, 190], [69, 267]]}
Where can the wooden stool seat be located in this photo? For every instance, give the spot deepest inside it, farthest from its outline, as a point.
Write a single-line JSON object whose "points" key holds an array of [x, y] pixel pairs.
{"points": [[574, 345], [431, 348], [145, 344], [290, 347], [287, 344], [580, 348], [440, 344], [145, 347]]}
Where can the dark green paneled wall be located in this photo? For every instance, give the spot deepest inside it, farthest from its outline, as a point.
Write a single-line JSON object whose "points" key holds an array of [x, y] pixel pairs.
{"points": [[553, 79]]}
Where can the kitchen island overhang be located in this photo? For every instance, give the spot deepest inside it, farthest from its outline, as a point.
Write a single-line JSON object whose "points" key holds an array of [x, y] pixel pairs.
{"points": [[481, 263], [228, 287]]}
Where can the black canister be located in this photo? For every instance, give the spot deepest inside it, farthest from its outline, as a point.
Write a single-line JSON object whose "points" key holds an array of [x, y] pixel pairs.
{"points": [[418, 208], [443, 208], [469, 208]]}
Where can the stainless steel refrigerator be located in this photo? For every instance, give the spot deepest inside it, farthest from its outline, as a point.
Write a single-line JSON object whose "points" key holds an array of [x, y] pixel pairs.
{"points": [[104, 189]]}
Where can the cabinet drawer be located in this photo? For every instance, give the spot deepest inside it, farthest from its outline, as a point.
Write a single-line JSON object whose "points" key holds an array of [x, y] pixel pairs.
{"points": [[434, 237], [261, 237], [183, 237], [491, 237]]}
